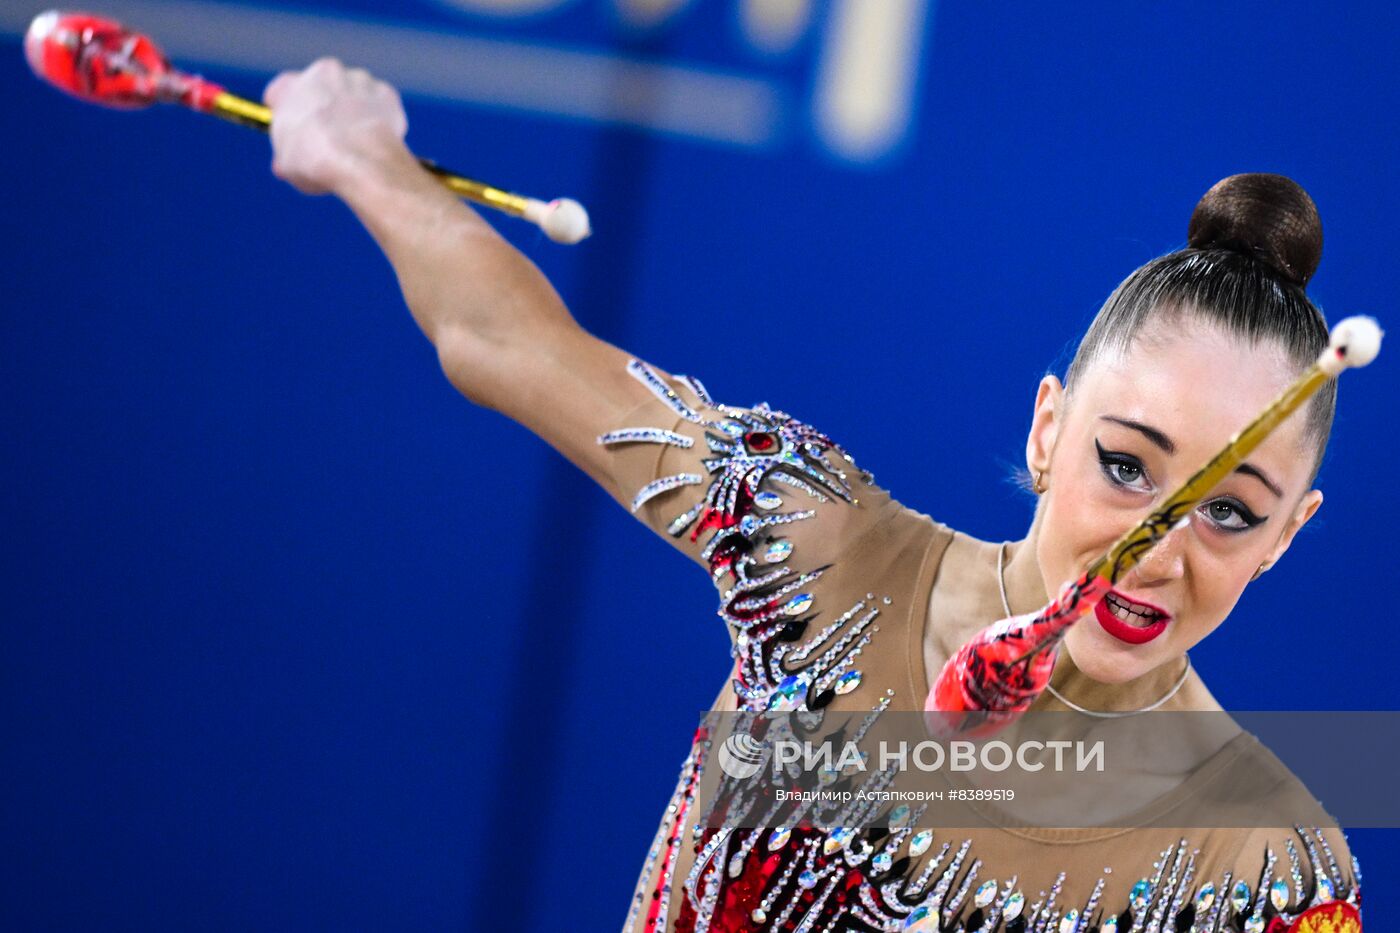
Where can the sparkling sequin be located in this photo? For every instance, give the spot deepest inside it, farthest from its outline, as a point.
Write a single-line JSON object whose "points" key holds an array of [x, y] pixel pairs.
{"points": [[838, 840], [789, 694], [923, 919], [919, 844], [798, 604], [767, 500], [986, 893], [778, 551]]}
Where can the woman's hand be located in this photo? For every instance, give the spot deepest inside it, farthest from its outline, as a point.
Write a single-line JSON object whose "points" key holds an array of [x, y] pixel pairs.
{"points": [[332, 124]]}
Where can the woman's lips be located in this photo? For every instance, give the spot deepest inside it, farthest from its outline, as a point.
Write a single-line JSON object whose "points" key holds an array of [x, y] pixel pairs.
{"points": [[1130, 620]]}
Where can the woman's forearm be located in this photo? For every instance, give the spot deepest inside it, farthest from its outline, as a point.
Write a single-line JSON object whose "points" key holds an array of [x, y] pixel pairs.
{"points": [[480, 302], [460, 279]]}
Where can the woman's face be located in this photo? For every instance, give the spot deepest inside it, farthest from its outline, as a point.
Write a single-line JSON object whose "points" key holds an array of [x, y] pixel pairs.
{"points": [[1136, 427]]}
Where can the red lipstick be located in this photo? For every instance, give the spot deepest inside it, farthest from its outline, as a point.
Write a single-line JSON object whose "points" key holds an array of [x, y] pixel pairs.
{"points": [[1126, 631]]}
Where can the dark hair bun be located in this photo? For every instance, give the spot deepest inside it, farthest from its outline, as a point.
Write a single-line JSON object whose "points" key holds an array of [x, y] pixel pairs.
{"points": [[1265, 216]]}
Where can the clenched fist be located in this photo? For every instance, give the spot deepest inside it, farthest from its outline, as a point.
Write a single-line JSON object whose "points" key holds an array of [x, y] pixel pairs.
{"points": [[330, 122]]}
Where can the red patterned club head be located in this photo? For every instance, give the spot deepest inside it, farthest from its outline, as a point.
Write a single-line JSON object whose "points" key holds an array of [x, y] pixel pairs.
{"points": [[99, 60]]}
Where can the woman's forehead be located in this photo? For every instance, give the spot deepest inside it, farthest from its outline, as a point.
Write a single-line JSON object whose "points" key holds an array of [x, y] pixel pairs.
{"points": [[1196, 383]]}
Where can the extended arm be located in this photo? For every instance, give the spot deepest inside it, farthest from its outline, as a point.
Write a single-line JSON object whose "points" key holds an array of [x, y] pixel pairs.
{"points": [[503, 336]]}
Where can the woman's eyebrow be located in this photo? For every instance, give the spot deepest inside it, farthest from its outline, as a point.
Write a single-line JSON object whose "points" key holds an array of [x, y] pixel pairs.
{"points": [[1254, 471], [1161, 440], [1149, 432]]}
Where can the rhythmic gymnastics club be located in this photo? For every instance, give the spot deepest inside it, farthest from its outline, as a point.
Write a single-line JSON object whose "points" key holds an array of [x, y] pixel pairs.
{"points": [[101, 61], [996, 676]]}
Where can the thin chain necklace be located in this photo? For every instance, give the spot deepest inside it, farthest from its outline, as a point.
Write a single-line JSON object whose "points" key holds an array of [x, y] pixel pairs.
{"points": [[1102, 714]]}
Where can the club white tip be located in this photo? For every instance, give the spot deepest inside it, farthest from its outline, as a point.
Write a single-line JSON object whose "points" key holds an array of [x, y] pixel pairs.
{"points": [[1355, 341], [565, 221]]}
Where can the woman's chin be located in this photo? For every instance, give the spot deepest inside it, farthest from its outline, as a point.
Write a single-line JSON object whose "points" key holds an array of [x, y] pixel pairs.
{"points": [[1115, 663]]}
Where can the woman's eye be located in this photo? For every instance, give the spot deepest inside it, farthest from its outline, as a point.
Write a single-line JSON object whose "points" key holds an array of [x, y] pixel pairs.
{"points": [[1122, 469], [1126, 473], [1230, 515]]}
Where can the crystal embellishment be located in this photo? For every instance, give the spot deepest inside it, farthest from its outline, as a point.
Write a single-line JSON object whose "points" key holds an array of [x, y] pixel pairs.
{"points": [[1205, 898], [1013, 906], [798, 604], [986, 893], [789, 694], [767, 500], [778, 551], [923, 919], [779, 838], [920, 843], [839, 838]]}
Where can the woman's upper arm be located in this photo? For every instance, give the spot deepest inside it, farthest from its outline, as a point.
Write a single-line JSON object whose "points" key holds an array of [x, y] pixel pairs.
{"points": [[719, 482]]}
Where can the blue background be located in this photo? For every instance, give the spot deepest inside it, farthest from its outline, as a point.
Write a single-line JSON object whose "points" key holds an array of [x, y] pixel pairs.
{"points": [[294, 637]]}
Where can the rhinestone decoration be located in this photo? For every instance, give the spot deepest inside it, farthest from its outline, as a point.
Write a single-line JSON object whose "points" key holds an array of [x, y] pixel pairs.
{"points": [[1069, 922], [919, 844], [807, 880], [1278, 894], [779, 838], [745, 452], [986, 893], [924, 919], [1013, 906], [1138, 897], [1205, 898], [1239, 896], [846, 683], [767, 500]]}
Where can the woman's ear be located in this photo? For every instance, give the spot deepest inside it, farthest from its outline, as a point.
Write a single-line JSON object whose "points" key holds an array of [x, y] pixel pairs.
{"points": [[1045, 424], [1307, 508]]}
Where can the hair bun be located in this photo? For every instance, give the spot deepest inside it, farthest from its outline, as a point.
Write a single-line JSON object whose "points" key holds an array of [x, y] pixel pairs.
{"points": [[1269, 217]]}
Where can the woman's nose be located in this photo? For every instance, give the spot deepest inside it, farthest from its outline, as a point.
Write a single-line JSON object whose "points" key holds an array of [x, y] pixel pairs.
{"points": [[1166, 560]]}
